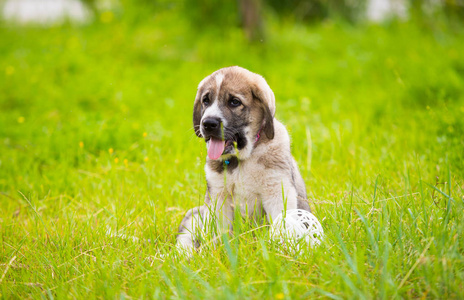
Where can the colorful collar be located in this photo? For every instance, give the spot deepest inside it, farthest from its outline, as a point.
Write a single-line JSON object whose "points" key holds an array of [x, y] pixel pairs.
{"points": [[258, 135]]}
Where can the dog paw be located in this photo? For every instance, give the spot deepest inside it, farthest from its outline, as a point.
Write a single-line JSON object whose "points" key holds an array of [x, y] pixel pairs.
{"points": [[184, 250]]}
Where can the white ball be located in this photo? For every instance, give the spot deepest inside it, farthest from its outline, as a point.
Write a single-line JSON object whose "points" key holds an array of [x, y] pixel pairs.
{"points": [[294, 226]]}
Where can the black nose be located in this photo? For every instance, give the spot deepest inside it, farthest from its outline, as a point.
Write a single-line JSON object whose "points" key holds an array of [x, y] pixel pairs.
{"points": [[211, 124]]}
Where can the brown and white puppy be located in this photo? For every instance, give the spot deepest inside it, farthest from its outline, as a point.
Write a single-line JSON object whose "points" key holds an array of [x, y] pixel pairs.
{"points": [[249, 164]]}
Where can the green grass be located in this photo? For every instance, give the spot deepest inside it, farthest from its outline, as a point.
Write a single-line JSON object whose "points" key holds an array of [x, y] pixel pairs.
{"points": [[376, 114]]}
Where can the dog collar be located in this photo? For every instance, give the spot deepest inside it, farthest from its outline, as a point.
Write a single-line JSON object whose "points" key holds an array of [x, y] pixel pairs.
{"points": [[258, 135]]}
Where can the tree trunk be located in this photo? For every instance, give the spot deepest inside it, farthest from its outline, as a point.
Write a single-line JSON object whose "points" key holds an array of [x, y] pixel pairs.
{"points": [[250, 12]]}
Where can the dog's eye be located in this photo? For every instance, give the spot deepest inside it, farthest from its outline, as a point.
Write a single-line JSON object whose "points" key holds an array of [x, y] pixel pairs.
{"points": [[206, 100], [234, 102]]}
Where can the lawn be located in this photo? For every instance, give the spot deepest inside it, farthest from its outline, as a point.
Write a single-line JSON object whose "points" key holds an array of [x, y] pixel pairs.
{"points": [[99, 160]]}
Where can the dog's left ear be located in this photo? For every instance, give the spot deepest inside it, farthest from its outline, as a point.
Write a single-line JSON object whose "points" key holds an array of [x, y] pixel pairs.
{"points": [[197, 107], [263, 93], [268, 127]]}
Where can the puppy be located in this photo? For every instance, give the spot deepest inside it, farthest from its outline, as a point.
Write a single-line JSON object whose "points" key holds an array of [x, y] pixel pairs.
{"points": [[249, 165]]}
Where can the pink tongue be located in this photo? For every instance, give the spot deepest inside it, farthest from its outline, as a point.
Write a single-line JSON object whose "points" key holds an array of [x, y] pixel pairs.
{"points": [[215, 148]]}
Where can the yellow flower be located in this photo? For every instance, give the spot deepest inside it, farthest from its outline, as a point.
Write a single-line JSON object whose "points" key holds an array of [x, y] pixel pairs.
{"points": [[280, 296], [145, 159], [106, 17], [21, 120], [116, 160], [110, 151], [145, 134], [81, 144], [126, 162], [9, 70]]}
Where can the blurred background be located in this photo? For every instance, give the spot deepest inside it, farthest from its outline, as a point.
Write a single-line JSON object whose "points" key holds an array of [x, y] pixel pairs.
{"points": [[106, 87], [355, 81], [251, 15]]}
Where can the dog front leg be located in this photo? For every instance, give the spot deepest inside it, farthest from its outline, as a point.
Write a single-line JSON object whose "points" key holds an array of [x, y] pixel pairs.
{"points": [[206, 221], [280, 197], [220, 203], [193, 225]]}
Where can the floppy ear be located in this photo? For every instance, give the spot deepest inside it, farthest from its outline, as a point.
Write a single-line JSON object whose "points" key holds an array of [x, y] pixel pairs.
{"points": [[268, 122], [197, 107], [197, 115], [263, 93]]}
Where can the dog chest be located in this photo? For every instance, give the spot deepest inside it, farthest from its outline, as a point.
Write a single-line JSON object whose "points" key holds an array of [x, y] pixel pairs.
{"points": [[242, 185]]}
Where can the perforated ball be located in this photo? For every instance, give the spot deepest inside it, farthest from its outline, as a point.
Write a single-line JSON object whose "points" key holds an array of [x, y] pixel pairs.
{"points": [[294, 226]]}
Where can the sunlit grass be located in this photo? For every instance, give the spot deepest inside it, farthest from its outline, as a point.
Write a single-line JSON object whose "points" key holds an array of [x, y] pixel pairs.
{"points": [[96, 133]]}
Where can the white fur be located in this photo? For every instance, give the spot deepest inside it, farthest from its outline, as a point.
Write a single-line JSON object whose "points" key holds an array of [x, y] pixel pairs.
{"points": [[196, 227], [219, 78], [253, 184]]}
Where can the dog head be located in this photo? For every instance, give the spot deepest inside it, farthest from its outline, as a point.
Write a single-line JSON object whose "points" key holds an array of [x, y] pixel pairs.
{"points": [[233, 109]]}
